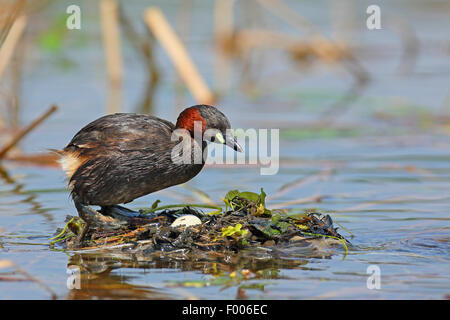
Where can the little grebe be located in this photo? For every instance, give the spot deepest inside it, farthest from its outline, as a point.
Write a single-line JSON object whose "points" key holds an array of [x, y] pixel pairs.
{"points": [[120, 157]]}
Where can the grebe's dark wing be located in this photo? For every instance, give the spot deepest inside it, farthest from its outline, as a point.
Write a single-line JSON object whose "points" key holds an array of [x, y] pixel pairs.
{"points": [[112, 135], [121, 132]]}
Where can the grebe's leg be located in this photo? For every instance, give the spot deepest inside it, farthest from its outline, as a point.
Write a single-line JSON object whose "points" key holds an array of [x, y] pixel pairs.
{"points": [[119, 212], [87, 214]]}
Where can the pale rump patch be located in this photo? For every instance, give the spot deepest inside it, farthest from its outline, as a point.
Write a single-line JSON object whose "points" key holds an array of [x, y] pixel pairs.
{"points": [[70, 162]]}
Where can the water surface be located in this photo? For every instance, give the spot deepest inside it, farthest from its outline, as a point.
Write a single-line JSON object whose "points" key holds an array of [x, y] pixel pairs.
{"points": [[386, 158]]}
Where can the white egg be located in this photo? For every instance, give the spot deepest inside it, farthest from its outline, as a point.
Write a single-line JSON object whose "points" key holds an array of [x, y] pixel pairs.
{"points": [[187, 221]]}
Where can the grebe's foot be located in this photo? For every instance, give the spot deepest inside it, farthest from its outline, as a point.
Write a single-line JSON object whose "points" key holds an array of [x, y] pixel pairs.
{"points": [[119, 212], [84, 211], [101, 218], [88, 215]]}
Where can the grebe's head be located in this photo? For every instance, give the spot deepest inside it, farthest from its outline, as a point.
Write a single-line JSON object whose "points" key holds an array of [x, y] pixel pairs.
{"points": [[213, 124]]}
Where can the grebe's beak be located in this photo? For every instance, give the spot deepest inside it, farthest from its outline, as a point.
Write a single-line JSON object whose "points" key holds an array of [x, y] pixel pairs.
{"points": [[228, 140], [232, 143]]}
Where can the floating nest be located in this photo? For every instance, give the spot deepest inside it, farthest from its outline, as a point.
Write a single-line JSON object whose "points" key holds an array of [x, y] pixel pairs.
{"points": [[244, 224]]}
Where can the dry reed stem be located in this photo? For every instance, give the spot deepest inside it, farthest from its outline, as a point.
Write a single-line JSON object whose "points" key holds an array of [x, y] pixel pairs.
{"points": [[223, 30], [248, 39], [281, 10], [109, 13], [162, 30], [22, 133], [8, 18], [8, 47], [36, 159], [242, 42], [325, 48]]}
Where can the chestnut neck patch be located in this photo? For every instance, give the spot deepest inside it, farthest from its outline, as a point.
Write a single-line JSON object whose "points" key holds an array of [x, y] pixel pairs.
{"points": [[187, 119]]}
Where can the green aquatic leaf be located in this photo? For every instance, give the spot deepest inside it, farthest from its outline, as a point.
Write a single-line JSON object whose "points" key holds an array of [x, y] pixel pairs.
{"points": [[231, 195], [271, 232], [235, 231], [228, 199], [263, 197], [251, 196], [155, 204]]}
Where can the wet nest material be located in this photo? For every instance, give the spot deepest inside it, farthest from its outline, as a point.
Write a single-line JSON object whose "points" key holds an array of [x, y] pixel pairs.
{"points": [[244, 224]]}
